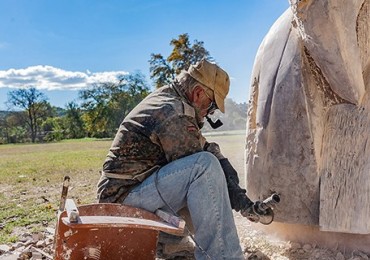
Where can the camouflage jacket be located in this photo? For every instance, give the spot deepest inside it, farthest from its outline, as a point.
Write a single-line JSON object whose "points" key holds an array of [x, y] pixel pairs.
{"points": [[161, 129]]}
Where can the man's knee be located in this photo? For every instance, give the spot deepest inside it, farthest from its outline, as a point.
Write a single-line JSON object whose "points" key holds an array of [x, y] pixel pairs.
{"points": [[210, 164], [205, 156]]}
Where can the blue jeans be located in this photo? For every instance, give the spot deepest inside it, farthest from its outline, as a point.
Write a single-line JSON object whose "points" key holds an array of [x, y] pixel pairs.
{"points": [[196, 181]]}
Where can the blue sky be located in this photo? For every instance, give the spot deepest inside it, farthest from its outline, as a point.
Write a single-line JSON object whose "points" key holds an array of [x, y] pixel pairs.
{"points": [[61, 46]]}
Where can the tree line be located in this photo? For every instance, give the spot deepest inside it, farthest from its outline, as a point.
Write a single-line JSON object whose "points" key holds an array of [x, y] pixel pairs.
{"points": [[31, 118]]}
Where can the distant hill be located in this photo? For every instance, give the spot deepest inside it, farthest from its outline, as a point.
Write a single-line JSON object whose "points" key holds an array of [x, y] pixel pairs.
{"points": [[58, 111], [4, 113]]}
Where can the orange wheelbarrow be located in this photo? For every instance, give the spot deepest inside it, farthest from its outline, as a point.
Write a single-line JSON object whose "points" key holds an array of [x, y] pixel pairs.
{"points": [[107, 231]]}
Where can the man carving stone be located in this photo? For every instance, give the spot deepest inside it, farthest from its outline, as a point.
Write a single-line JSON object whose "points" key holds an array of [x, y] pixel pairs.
{"points": [[160, 160]]}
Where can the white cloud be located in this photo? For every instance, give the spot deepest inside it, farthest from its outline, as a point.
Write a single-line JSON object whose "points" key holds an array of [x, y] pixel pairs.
{"points": [[51, 78]]}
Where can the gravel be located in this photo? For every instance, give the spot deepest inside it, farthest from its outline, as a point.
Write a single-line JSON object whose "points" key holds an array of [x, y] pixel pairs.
{"points": [[258, 243]]}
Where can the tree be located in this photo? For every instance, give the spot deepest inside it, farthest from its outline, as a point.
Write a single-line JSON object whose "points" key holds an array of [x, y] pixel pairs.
{"points": [[4, 128], [106, 104], [35, 106], [73, 123], [52, 129], [163, 71], [11, 130]]}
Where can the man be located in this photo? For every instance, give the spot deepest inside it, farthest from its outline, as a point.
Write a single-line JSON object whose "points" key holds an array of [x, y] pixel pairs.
{"points": [[160, 160]]}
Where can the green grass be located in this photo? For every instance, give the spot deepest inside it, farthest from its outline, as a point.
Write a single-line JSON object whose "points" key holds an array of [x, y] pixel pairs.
{"points": [[31, 177]]}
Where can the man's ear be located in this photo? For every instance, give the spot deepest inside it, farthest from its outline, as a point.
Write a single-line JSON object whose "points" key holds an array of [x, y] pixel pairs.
{"points": [[197, 93]]}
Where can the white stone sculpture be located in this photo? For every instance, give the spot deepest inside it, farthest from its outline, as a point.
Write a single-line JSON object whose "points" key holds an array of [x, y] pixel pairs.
{"points": [[308, 129]]}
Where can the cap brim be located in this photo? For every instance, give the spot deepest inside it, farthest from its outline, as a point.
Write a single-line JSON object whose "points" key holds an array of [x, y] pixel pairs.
{"points": [[220, 102]]}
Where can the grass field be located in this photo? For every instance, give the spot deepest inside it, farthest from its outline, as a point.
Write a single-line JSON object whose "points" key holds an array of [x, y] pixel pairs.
{"points": [[31, 177]]}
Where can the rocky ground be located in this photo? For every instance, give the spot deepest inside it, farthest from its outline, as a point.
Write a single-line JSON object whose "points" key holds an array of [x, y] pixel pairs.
{"points": [[256, 244], [259, 244]]}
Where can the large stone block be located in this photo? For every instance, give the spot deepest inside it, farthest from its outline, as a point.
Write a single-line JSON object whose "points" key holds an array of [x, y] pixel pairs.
{"points": [[309, 115]]}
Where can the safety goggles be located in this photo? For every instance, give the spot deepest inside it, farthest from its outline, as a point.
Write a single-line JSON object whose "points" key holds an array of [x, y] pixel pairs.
{"points": [[212, 107]]}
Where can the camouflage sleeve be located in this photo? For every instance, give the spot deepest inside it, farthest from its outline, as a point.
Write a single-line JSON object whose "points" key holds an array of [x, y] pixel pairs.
{"points": [[179, 136]]}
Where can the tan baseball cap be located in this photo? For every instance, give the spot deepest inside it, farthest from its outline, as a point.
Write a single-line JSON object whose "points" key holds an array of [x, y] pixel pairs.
{"points": [[214, 78]]}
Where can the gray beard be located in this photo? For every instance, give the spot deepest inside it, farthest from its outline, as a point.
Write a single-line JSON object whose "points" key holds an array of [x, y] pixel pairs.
{"points": [[200, 120]]}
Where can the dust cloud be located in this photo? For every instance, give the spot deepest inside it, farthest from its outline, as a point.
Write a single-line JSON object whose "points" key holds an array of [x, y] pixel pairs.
{"points": [[312, 235]]}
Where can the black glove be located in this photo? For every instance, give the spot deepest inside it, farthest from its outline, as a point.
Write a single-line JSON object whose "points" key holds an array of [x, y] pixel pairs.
{"points": [[250, 212], [237, 195], [230, 173], [254, 213]]}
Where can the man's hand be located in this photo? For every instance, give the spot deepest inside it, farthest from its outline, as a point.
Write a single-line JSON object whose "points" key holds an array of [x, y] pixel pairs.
{"points": [[255, 213], [250, 213], [259, 211], [238, 198], [237, 195]]}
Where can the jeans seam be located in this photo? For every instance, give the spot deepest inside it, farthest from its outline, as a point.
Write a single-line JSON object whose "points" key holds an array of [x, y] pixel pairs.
{"points": [[216, 212], [200, 165]]}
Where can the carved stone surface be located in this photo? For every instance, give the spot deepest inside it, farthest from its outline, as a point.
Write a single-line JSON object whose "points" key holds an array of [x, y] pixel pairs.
{"points": [[309, 116]]}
